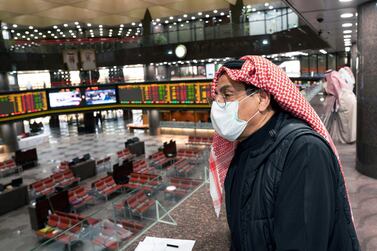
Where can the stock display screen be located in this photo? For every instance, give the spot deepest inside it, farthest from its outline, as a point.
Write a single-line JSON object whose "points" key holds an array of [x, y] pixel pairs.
{"points": [[177, 93], [22, 103], [65, 98]]}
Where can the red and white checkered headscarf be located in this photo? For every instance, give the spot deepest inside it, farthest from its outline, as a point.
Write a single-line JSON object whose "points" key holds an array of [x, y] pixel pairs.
{"points": [[265, 75]]}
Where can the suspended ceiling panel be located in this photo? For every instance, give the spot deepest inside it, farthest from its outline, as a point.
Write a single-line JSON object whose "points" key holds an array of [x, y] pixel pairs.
{"points": [[112, 20], [35, 21], [25, 6], [112, 6], [107, 12], [198, 5]]}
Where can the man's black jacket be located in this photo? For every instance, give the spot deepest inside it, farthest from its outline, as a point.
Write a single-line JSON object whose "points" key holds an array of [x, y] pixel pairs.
{"points": [[284, 191]]}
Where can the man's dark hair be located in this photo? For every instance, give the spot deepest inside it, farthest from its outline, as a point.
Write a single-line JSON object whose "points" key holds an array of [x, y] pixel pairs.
{"points": [[237, 64]]}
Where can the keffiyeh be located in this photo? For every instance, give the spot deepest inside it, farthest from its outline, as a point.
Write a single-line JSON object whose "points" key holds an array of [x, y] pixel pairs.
{"points": [[265, 75]]}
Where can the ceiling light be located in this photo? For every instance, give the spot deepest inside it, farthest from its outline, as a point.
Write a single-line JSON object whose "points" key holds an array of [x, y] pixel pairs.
{"points": [[140, 24], [187, 21], [347, 31], [179, 19], [55, 27], [222, 13], [65, 25], [347, 48], [347, 25], [12, 31], [215, 11], [5, 27], [171, 18], [23, 36], [253, 9], [31, 27], [35, 37], [158, 20], [347, 36], [133, 23], [200, 13], [271, 7], [26, 32], [28, 38], [207, 22], [265, 41], [344, 1], [57, 30], [346, 15], [18, 34], [32, 35], [323, 51], [14, 25], [40, 33], [185, 15], [193, 17], [35, 30], [44, 36], [207, 16], [88, 24], [76, 23], [166, 21], [184, 25], [266, 4]]}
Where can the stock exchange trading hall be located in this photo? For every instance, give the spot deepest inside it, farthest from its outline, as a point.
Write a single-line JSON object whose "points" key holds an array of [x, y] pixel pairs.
{"points": [[184, 125]]}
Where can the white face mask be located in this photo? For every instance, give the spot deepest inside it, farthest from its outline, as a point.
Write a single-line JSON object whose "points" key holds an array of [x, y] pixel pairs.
{"points": [[225, 120]]}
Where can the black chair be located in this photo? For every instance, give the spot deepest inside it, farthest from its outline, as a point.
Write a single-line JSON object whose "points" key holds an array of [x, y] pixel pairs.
{"points": [[17, 182], [170, 149]]}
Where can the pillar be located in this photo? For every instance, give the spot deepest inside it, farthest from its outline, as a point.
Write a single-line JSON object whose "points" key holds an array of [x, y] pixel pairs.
{"points": [[127, 114], [147, 27], [89, 122], [54, 121], [154, 122], [366, 144], [236, 12], [9, 135]]}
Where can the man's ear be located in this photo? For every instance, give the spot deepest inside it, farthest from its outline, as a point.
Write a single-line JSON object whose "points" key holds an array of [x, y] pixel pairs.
{"points": [[264, 101]]}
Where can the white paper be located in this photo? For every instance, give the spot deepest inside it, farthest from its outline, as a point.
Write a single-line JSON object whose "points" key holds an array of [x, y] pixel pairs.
{"points": [[160, 244]]}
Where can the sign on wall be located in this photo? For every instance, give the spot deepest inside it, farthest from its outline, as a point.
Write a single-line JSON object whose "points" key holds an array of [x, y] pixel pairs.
{"points": [[71, 59], [88, 59]]}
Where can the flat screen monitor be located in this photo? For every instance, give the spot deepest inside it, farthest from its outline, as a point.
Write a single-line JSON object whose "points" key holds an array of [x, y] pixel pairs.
{"points": [[65, 98], [99, 96]]}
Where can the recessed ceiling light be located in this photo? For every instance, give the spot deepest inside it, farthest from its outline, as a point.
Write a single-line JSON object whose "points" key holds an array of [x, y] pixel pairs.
{"points": [[171, 18], [14, 25], [166, 21], [347, 25], [26, 32], [133, 24], [265, 41], [55, 27], [347, 48], [215, 11], [347, 36], [200, 13], [344, 1], [158, 20], [184, 15], [57, 30], [207, 16], [347, 31], [65, 25], [76, 23], [222, 13], [266, 4], [271, 7], [31, 27], [89, 24], [193, 17], [253, 9], [346, 15]]}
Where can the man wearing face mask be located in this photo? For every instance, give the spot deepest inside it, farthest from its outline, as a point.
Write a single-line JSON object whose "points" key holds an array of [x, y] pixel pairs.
{"points": [[284, 189]]}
